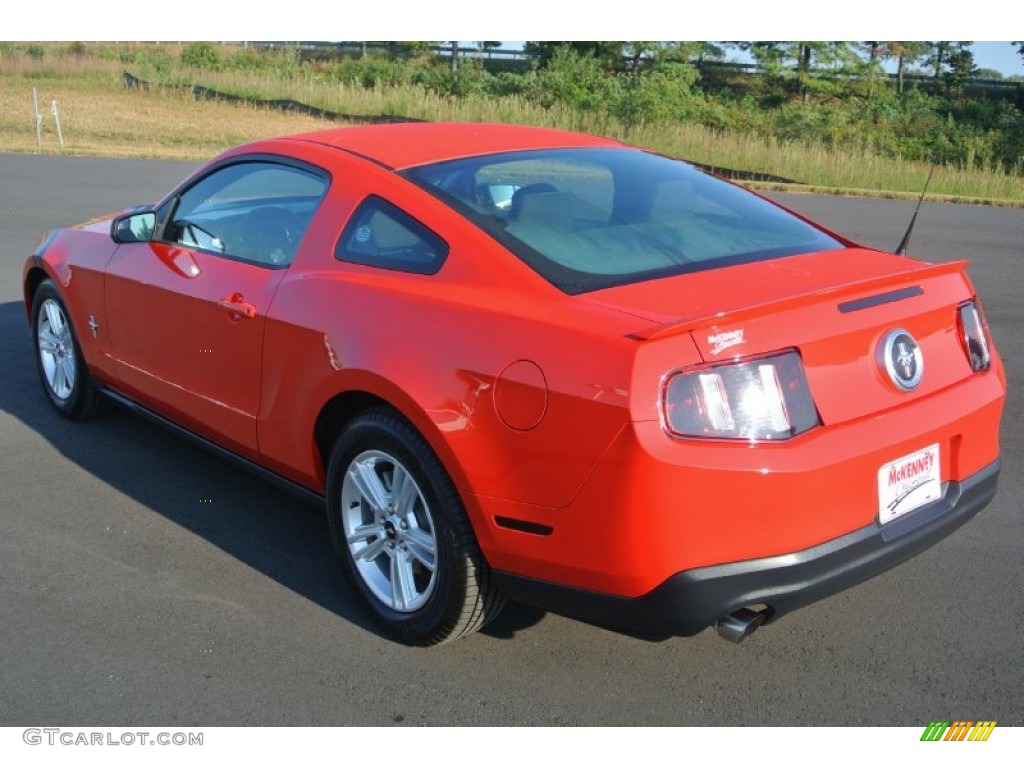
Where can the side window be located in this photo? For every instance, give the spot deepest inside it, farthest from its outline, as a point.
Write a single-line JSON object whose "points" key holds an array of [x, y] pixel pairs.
{"points": [[381, 235], [253, 211]]}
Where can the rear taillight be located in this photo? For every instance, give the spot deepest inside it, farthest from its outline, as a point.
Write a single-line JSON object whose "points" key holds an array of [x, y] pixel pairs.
{"points": [[973, 336], [765, 398]]}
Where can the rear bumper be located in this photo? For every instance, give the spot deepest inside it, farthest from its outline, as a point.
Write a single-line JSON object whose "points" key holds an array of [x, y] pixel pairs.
{"points": [[690, 601]]}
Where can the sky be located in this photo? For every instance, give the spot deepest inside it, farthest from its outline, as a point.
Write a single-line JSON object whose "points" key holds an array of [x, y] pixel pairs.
{"points": [[523, 20], [1000, 56]]}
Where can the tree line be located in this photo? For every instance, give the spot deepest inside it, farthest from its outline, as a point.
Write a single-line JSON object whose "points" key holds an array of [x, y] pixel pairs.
{"points": [[831, 93]]}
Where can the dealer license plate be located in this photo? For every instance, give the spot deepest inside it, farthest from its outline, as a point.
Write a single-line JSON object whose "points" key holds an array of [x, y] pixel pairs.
{"points": [[908, 483]]}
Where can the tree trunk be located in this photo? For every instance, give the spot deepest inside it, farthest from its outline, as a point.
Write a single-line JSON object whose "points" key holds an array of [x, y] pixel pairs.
{"points": [[805, 72], [899, 74], [940, 56]]}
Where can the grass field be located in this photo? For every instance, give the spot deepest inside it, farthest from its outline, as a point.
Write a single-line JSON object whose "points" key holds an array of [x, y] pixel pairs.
{"points": [[99, 116]]}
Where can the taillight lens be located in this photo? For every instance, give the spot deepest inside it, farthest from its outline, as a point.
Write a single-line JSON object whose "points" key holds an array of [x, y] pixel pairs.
{"points": [[972, 335], [765, 398]]}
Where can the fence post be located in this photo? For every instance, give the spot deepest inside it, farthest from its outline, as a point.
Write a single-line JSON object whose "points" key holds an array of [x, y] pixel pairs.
{"points": [[56, 121], [39, 118]]}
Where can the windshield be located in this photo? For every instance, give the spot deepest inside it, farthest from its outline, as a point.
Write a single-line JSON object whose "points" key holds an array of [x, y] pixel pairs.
{"points": [[587, 219]]}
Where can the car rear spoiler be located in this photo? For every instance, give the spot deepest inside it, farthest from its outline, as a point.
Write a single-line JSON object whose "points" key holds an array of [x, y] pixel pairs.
{"points": [[902, 279]]}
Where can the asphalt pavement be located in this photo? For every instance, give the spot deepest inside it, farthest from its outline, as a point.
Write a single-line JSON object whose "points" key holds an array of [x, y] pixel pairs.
{"points": [[124, 599]]}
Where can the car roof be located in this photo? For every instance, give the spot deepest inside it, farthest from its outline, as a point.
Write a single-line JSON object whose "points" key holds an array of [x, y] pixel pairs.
{"points": [[403, 145]]}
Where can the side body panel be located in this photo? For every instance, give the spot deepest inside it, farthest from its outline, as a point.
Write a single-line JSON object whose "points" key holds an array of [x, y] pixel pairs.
{"points": [[444, 349], [177, 349], [76, 261]]}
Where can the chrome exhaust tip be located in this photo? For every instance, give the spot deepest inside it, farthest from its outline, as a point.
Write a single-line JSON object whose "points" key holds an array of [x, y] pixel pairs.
{"points": [[737, 626]]}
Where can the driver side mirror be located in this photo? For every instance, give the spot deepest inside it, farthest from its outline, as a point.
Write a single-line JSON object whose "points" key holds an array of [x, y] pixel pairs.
{"points": [[133, 227]]}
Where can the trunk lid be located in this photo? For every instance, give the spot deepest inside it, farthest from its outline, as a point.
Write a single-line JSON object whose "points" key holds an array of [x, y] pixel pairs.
{"points": [[837, 308]]}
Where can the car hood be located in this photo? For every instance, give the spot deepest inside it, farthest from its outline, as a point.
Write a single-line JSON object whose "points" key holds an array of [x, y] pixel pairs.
{"points": [[98, 224]]}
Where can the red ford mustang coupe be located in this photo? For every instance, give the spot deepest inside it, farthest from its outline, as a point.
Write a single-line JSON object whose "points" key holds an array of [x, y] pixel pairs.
{"points": [[519, 363]]}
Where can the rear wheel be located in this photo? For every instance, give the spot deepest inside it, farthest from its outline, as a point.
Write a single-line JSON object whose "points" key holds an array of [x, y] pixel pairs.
{"points": [[402, 534], [62, 369]]}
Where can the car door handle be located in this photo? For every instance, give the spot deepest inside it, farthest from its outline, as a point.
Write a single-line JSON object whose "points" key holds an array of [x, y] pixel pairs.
{"points": [[237, 306]]}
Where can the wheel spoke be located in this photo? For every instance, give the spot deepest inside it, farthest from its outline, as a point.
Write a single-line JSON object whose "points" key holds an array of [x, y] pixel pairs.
{"points": [[364, 475], [59, 378], [47, 340], [421, 546], [404, 493], [403, 587], [55, 317], [371, 551], [364, 532], [50, 369]]}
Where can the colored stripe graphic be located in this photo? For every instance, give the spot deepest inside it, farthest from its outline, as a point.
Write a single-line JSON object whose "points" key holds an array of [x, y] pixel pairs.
{"points": [[959, 730], [982, 730]]}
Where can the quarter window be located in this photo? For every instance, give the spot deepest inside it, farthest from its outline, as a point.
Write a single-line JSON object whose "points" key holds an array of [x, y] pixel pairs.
{"points": [[381, 235]]}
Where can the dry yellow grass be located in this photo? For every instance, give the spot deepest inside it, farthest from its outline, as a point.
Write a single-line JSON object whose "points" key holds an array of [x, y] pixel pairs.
{"points": [[159, 124]]}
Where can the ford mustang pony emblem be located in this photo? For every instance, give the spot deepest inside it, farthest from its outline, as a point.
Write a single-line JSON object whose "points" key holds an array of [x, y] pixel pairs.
{"points": [[900, 356]]}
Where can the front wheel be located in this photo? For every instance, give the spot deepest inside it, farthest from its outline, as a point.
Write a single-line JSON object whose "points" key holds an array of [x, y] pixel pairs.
{"points": [[402, 534], [59, 360]]}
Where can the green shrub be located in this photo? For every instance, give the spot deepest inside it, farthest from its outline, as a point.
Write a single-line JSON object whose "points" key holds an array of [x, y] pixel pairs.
{"points": [[201, 56], [572, 79], [249, 59], [655, 95]]}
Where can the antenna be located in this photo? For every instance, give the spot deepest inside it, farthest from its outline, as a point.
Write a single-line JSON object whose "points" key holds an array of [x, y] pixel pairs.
{"points": [[901, 249]]}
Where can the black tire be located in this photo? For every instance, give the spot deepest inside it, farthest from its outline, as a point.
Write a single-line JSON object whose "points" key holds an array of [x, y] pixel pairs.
{"points": [[62, 371], [381, 526]]}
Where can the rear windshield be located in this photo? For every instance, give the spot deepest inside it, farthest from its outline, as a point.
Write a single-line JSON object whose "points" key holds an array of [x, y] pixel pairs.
{"points": [[587, 219]]}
